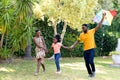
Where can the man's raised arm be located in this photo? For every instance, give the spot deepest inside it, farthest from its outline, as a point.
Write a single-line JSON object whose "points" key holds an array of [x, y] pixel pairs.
{"points": [[100, 23]]}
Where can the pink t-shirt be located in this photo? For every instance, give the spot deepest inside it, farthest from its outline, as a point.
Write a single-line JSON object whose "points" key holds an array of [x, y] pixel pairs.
{"points": [[56, 47]]}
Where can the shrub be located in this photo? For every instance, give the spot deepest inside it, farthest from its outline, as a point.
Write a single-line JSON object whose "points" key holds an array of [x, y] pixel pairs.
{"points": [[114, 53], [5, 53], [105, 43], [109, 43]]}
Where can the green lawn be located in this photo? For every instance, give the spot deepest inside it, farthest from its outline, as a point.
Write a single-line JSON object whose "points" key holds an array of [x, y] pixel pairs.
{"points": [[72, 69]]}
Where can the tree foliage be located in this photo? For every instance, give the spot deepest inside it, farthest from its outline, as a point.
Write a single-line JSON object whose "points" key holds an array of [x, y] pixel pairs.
{"points": [[15, 21], [104, 4], [59, 16], [74, 12]]}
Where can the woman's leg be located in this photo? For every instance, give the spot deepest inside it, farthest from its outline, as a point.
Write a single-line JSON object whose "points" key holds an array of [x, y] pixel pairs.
{"points": [[42, 64], [38, 65]]}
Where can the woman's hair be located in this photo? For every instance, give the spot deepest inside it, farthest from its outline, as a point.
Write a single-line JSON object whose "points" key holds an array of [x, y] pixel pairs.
{"points": [[37, 30], [58, 37]]}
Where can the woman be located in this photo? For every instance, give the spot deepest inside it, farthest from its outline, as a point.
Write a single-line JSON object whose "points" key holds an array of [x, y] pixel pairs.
{"points": [[40, 51]]}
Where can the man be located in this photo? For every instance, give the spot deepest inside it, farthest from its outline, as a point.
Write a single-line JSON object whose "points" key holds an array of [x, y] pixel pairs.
{"points": [[89, 45]]}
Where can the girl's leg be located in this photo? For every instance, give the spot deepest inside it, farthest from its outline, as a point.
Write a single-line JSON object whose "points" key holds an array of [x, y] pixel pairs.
{"points": [[57, 57]]}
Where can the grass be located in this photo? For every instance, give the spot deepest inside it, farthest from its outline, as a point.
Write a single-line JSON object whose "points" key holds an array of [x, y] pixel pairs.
{"points": [[72, 69]]}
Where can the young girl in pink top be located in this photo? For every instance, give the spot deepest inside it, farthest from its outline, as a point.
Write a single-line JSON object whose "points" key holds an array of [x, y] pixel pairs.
{"points": [[56, 46]]}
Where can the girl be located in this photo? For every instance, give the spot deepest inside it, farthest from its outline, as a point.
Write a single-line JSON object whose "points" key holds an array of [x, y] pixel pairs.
{"points": [[56, 45], [40, 51]]}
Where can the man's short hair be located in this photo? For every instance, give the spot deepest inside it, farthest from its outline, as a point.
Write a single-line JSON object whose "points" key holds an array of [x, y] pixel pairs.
{"points": [[86, 25]]}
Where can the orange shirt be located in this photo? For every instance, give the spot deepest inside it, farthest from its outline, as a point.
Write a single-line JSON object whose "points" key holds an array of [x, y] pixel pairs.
{"points": [[56, 47], [88, 39]]}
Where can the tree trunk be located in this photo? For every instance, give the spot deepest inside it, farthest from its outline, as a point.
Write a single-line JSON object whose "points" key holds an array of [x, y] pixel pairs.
{"points": [[1, 42], [55, 32], [29, 46], [62, 35], [28, 52], [54, 23], [63, 31]]}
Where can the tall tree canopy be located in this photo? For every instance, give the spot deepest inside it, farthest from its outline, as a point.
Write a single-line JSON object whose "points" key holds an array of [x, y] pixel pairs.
{"points": [[72, 12], [75, 12]]}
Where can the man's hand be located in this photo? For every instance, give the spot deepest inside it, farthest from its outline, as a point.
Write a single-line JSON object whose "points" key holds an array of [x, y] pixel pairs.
{"points": [[104, 15], [100, 23], [71, 47]]}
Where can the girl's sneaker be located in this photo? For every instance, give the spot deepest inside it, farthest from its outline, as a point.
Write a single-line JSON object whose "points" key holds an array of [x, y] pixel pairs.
{"points": [[58, 72], [36, 74]]}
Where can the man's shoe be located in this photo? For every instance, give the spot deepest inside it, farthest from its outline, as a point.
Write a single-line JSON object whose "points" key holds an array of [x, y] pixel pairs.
{"points": [[90, 75], [93, 74]]}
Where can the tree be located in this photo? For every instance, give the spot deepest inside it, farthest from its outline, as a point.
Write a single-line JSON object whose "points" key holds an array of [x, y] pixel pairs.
{"points": [[24, 13], [113, 5], [104, 4], [115, 28], [16, 21], [5, 18], [71, 12]]}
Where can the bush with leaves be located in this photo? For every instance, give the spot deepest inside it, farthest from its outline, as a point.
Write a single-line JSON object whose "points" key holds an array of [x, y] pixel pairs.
{"points": [[104, 41], [48, 33], [109, 44], [5, 53]]}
